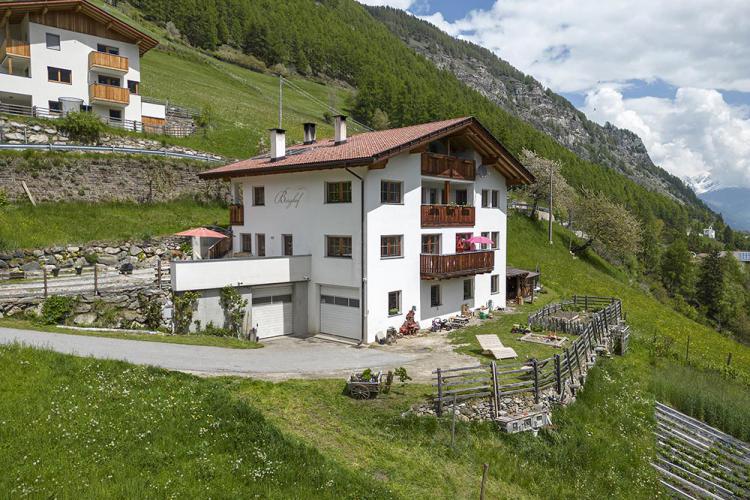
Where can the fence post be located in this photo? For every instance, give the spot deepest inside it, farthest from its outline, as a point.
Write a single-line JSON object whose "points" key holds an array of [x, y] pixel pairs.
{"points": [[578, 361], [453, 424], [495, 394], [570, 367], [558, 375], [439, 409], [536, 380], [485, 468], [96, 280], [729, 359], [586, 303], [158, 273], [45, 282]]}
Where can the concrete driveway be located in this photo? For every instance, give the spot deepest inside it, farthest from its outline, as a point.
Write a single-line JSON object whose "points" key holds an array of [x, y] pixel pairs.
{"points": [[280, 359]]}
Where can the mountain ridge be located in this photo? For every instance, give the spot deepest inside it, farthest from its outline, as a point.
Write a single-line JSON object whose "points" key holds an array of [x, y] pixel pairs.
{"points": [[526, 98]]}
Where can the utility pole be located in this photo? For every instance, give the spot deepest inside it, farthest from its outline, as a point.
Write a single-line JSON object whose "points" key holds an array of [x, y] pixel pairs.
{"points": [[550, 206], [281, 97]]}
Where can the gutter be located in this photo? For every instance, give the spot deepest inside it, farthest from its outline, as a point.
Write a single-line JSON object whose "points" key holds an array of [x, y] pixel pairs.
{"points": [[363, 271]]}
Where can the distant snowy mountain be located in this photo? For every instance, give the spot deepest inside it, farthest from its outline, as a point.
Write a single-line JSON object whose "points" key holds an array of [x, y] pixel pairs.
{"points": [[732, 203], [701, 183]]}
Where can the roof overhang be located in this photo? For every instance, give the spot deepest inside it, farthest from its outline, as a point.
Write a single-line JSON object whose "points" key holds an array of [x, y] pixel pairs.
{"points": [[493, 153], [142, 40]]}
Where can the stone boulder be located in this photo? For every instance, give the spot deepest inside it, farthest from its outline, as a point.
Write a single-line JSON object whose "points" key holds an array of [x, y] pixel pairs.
{"points": [[108, 260], [31, 266], [84, 319]]}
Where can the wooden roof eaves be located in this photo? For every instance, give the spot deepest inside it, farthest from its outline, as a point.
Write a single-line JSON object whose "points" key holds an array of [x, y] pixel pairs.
{"points": [[144, 42]]}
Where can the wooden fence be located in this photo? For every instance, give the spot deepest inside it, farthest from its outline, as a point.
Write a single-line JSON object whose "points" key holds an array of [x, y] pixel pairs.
{"points": [[499, 381]]}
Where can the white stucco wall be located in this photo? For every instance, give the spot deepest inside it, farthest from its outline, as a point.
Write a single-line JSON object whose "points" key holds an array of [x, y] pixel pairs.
{"points": [[73, 55]]}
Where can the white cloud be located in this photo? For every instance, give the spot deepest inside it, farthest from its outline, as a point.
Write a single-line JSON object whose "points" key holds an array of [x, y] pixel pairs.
{"points": [[597, 47], [694, 134], [399, 4], [573, 45]]}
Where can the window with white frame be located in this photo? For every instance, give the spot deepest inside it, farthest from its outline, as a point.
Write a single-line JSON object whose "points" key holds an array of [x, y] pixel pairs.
{"points": [[394, 303]]}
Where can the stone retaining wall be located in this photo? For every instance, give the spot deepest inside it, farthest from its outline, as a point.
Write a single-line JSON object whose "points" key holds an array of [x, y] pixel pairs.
{"points": [[138, 253], [53, 177]]}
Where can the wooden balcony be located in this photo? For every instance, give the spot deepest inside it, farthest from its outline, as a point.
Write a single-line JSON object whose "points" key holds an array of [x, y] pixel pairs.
{"points": [[236, 215], [434, 267], [108, 62], [447, 216], [108, 94], [450, 167], [15, 48]]}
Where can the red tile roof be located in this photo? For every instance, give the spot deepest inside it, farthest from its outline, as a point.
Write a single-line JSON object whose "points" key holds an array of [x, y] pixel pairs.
{"points": [[360, 149]]}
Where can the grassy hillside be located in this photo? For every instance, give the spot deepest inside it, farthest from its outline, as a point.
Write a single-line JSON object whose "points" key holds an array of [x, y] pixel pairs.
{"points": [[24, 226], [243, 103], [80, 426]]}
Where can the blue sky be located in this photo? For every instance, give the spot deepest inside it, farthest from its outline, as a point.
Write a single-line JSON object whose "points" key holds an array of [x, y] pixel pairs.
{"points": [[676, 73]]}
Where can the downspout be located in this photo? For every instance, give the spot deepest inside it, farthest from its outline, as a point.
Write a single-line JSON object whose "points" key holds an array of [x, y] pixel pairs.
{"points": [[363, 271]]}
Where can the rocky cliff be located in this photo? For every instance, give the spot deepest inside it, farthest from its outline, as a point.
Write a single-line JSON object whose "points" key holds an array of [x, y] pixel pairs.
{"points": [[526, 98]]}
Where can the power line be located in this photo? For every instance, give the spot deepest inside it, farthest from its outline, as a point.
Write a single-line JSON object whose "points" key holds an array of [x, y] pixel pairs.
{"points": [[306, 94]]}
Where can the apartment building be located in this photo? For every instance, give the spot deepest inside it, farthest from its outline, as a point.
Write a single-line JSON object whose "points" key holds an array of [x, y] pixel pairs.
{"points": [[67, 55], [345, 236]]}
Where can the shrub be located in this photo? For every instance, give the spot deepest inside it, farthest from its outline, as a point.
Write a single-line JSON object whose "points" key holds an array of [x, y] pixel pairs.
{"points": [[215, 331], [92, 258], [234, 309], [184, 304], [151, 309], [56, 309], [81, 126]]}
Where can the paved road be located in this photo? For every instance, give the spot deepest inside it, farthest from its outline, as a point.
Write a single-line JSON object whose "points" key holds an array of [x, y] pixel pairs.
{"points": [[281, 358]]}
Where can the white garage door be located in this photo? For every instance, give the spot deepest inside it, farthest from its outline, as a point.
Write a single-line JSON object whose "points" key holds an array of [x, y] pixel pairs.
{"points": [[273, 312], [339, 312]]}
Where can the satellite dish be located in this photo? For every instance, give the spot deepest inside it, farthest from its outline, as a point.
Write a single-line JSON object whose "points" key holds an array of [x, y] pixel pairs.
{"points": [[482, 171]]}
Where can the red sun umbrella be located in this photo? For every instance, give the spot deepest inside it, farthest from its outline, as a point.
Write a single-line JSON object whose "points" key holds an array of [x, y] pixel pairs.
{"points": [[479, 240], [202, 232]]}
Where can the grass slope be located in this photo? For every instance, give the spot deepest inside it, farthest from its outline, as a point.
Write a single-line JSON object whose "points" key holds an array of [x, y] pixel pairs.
{"points": [[244, 103], [74, 427], [24, 226], [208, 340]]}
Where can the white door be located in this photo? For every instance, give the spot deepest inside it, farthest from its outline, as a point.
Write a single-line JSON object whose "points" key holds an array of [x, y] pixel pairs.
{"points": [[273, 311], [339, 312]]}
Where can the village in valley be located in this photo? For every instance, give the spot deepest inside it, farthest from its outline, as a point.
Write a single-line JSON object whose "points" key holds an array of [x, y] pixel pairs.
{"points": [[243, 262]]}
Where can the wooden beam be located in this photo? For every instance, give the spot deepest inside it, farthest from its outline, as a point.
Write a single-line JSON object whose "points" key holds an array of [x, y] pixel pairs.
{"points": [[378, 166], [419, 149], [78, 8], [4, 23], [45, 10]]}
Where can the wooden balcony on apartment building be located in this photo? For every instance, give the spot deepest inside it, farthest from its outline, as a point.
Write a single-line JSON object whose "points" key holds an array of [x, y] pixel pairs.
{"points": [[14, 48], [448, 216], [433, 267], [449, 167], [109, 94], [108, 62]]}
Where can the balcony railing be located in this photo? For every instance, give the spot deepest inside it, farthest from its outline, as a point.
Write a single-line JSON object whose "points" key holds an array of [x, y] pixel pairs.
{"points": [[450, 167], [236, 215], [447, 216], [109, 94], [101, 60], [17, 48], [455, 265], [220, 248]]}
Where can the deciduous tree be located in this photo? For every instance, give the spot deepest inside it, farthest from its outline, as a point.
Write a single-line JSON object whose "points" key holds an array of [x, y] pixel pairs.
{"points": [[607, 224]]}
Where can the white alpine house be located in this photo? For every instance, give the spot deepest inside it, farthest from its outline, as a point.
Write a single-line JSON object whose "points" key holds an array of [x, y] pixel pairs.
{"points": [[345, 236], [64, 55]]}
